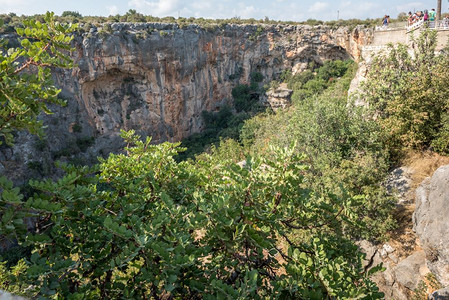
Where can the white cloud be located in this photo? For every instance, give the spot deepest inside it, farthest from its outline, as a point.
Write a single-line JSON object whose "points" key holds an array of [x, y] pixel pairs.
{"points": [[11, 2], [202, 5], [345, 4], [159, 8], [412, 6], [318, 7], [7, 6], [247, 12], [368, 7], [112, 10], [363, 10]]}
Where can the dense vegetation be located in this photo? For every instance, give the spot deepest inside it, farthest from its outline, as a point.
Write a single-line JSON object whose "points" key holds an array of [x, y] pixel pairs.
{"points": [[12, 20], [270, 211], [141, 225], [345, 151], [409, 95], [24, 94], [228, 121]]}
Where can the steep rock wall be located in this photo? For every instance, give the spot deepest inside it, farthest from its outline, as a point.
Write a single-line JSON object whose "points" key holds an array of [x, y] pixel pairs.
{"points": [[158, 78]]}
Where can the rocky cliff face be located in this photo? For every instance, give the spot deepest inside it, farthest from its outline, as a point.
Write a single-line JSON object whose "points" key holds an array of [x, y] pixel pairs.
{"points": [[431, 222], [158, 78]]}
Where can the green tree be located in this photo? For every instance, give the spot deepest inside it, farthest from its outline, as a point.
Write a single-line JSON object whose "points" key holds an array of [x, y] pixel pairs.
{"points": [[26, 89], [69, 13], [409, 94], [146, 226], [141, 225], [344, 149], [25, 76]]}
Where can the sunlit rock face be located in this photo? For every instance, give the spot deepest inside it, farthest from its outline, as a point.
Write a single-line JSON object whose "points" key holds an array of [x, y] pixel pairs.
{"points": [[158, 78]]}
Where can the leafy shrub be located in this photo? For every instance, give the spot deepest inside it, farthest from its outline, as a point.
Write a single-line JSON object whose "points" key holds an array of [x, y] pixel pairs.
{"points": [[333, 69], [11, 278], [218, 125], [77, 128], [74, 14], [314, 86], [217, 120], [147, 226], [22, 87], [441, 141], [68, 150], [36, 166], [409, 94], [245, 96], [107, 28], [344, 149], [256, 77], [40, 144]]}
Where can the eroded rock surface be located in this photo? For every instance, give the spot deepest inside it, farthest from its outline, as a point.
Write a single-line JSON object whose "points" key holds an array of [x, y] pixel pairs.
{"points": [[431, 222], [409, 271], [400, 277], [399, 184], [279, 98], [158, 78]]}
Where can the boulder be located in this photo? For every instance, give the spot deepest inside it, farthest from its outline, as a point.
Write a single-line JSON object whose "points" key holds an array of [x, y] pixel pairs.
{"points": [[431, 222], [399, 184], [279, 97], [408, 271]]}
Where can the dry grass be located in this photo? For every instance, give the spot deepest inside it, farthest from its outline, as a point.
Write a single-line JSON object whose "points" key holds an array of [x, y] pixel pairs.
{"points": [[427, 285], [403, 238], [423, 164], [420, 165]]}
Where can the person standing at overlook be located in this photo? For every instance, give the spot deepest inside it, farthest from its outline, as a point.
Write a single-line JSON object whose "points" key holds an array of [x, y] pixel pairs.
{"points": [[432, 15], [410, 18], [385, 21]]}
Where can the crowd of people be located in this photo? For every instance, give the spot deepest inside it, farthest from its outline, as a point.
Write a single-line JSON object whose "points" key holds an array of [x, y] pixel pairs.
{"points": [[422, 16]]}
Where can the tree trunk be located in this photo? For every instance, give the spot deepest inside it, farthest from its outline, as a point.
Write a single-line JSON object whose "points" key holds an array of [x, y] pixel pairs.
{"points": [[439, 10]]}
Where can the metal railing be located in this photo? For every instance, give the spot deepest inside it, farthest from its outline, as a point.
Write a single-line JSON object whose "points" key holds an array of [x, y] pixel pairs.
{"points": [[437, 25], [415, 25]]}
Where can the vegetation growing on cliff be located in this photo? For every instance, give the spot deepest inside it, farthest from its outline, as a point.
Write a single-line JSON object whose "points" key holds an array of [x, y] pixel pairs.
{"points": [[25, 78], [409, 95], [141, 225], [12, 21], [345, 151], [227, 122], [272, 213], [148, 226]]}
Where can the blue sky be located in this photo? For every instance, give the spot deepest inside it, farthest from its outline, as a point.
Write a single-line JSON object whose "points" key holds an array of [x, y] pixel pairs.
{"points": [[258, 9]]}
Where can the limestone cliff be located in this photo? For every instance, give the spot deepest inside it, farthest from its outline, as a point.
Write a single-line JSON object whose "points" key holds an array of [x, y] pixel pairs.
{"points": [[158, 78]]}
